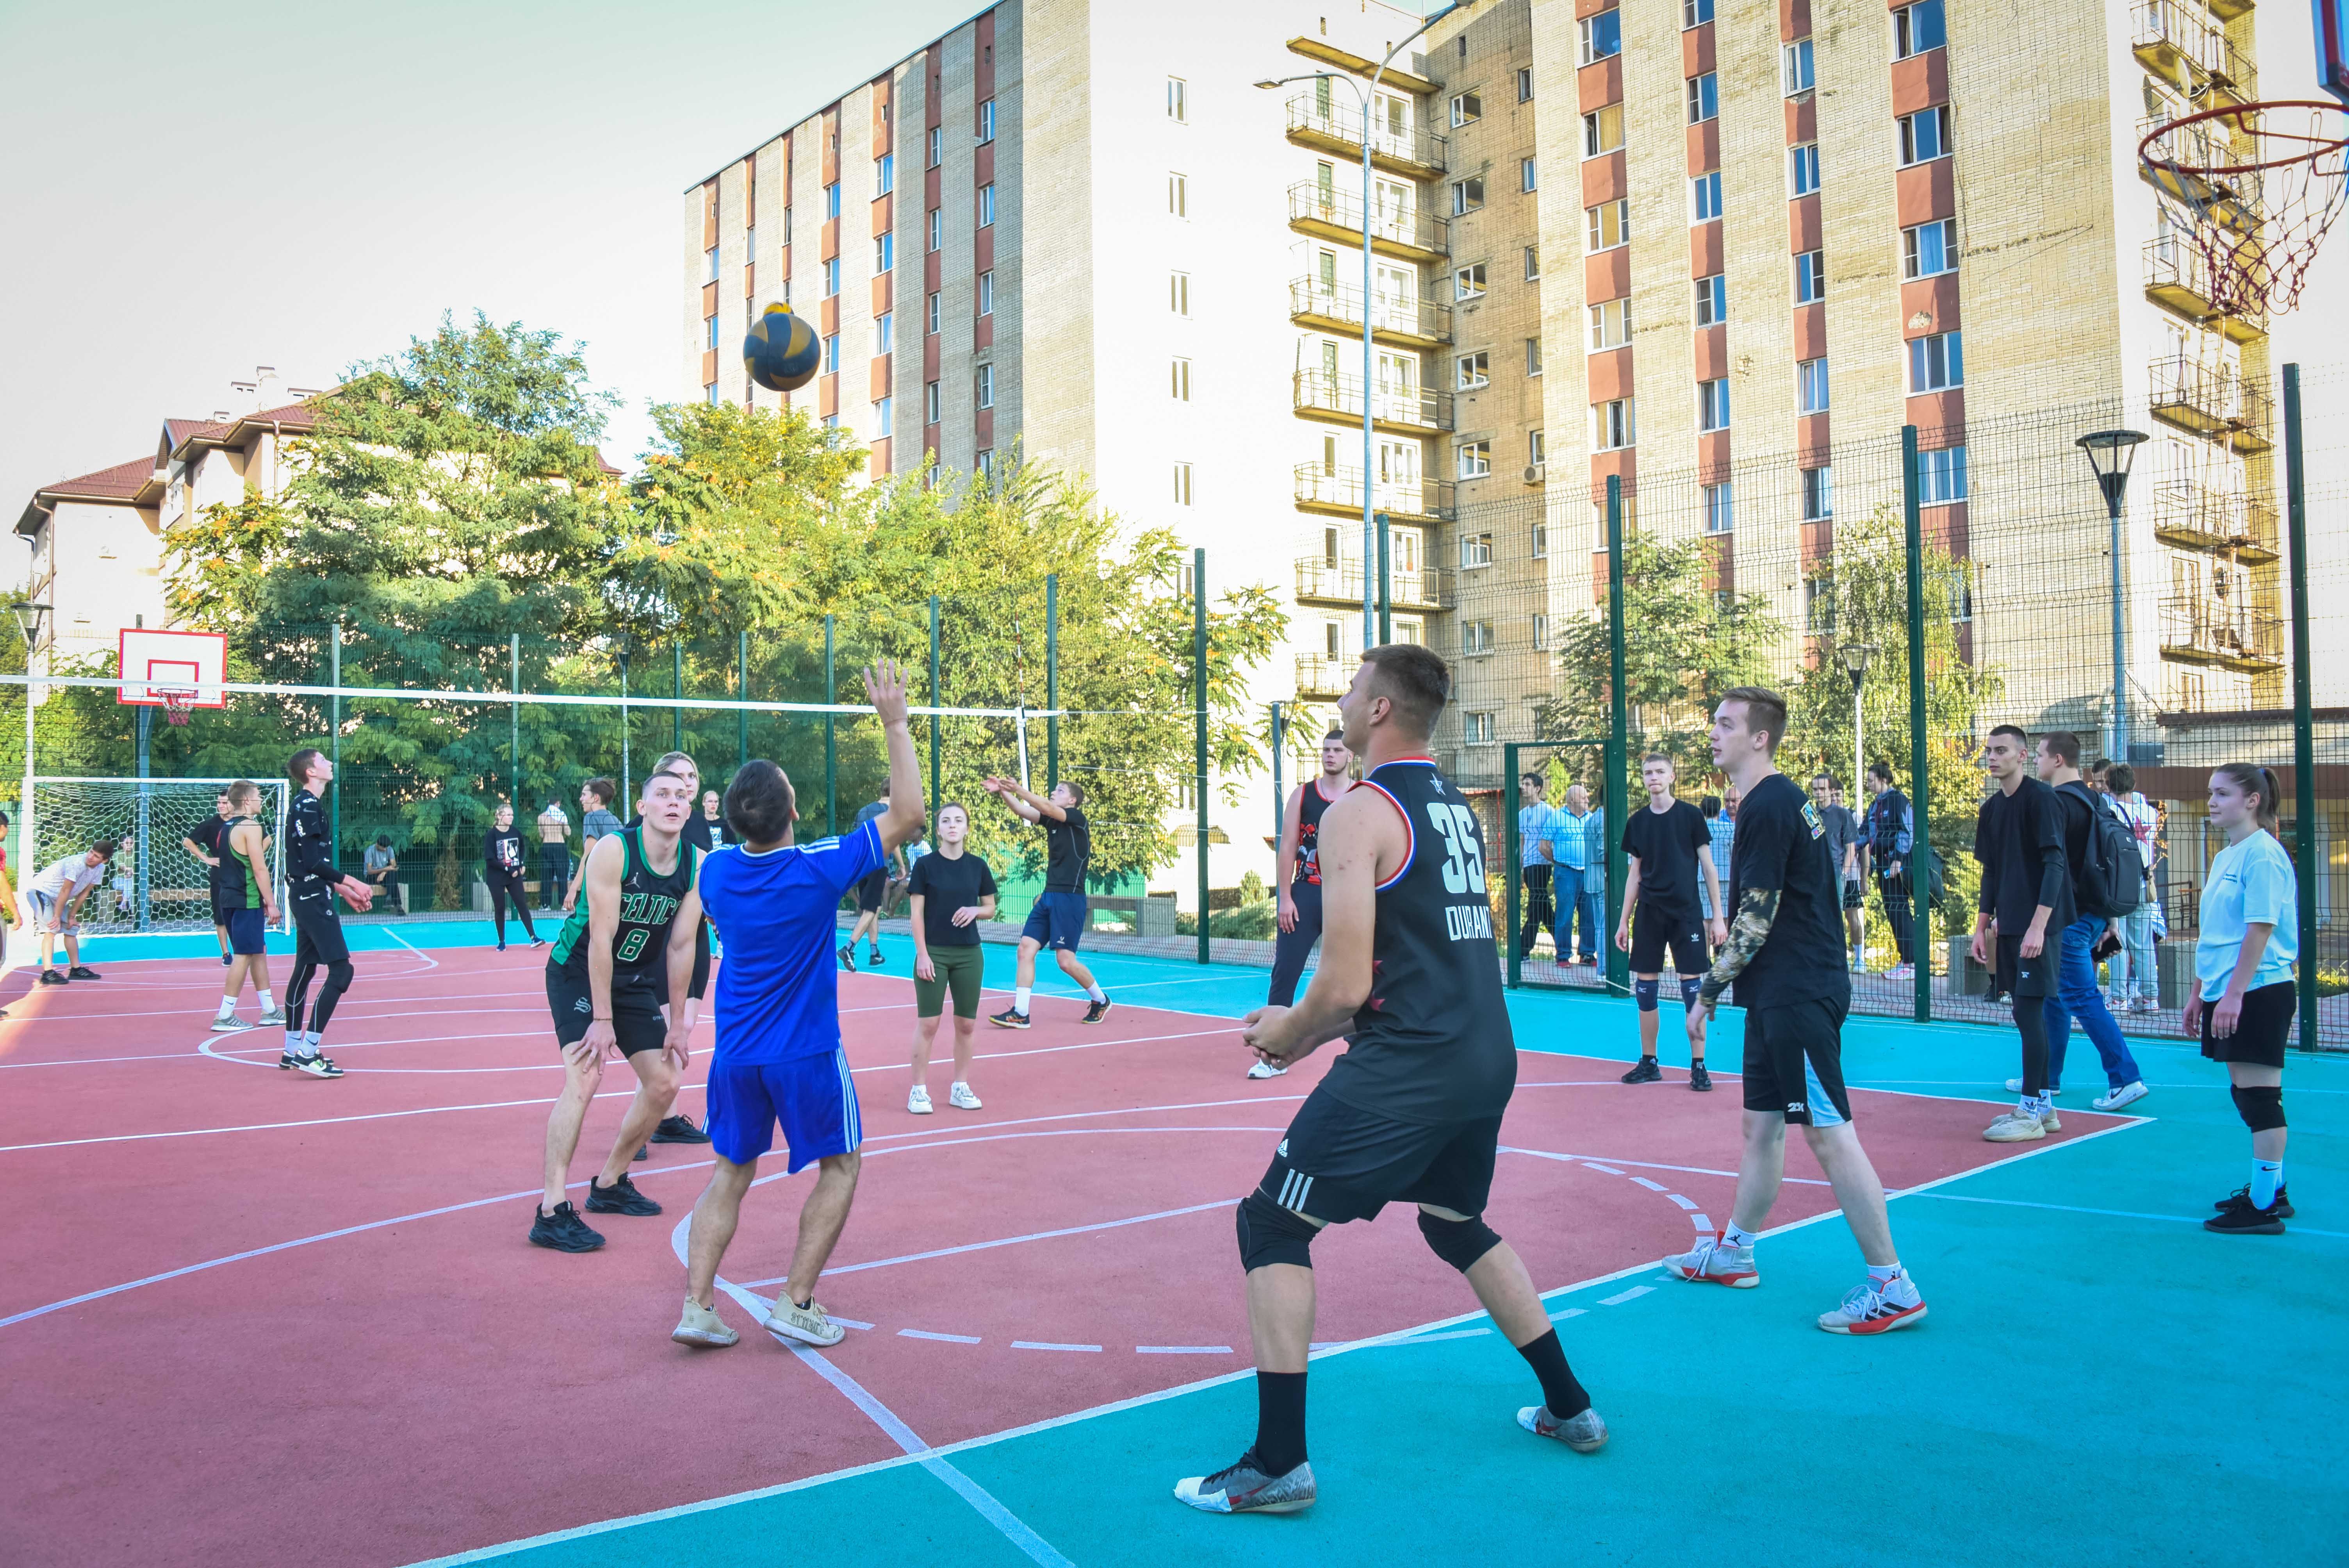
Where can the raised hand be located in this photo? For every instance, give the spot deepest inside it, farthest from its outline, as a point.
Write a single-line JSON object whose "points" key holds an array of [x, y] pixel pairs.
{"points": [[884, 687]]}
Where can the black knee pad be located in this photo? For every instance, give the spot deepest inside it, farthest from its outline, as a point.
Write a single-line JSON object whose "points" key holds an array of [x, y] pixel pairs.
{"points": [[1459, 1243], [339, 975], [2260, 1108], [1645, 990], [1269, 1234], [1689, 985]]}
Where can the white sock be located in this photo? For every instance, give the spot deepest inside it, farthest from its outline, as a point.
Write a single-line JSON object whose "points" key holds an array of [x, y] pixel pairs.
{"points": [[2267, 1175], [1734, 1236], [1020, 999], [228, 1007], [267, 1005], [1096, 992], [309, 1043]]}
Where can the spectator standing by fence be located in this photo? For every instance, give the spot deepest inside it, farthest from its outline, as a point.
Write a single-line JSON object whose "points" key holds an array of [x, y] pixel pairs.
{"points": [[553, 856], [1843, 849], [1595, 854], [1536, 830], [1572, 880], [2136, 983], [1891, 840]]}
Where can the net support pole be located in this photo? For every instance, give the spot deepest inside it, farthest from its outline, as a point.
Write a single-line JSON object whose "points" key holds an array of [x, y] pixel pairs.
{"points": [[830, 740], [1619, 725], [1052, 681], [514, 718], [1386, 598], [138, 855], [1199, 724], [2303, 720], [627, 790], [335, 733], [742, 693], [1280, 801], [1921, 936], [676, 690], [936, 701]]}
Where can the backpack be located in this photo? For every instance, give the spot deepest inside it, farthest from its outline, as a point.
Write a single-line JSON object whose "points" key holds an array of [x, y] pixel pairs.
{"points": [[2109, 882]]}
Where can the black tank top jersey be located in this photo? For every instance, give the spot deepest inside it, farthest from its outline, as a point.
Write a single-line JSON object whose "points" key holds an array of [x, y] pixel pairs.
{"points": [[1311, 803], [1432, 1043], [648, 905]]}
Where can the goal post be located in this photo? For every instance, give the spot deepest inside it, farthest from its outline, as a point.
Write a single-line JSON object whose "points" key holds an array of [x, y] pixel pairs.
{"points": [[154, 884]]}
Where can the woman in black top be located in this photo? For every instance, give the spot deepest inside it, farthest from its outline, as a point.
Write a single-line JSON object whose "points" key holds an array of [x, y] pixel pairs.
{"points": [[952, 890], [502, 864]]}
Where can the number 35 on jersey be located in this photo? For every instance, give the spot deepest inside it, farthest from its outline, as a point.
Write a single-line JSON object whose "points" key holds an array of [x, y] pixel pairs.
{"points": [[1464, 871]]}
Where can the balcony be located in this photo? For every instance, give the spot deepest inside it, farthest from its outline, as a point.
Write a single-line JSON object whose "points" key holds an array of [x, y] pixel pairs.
{"points": [[1320, 675], [1409, 234], [1399, 411], [1340, 494], [2177, 275], [1410, 81], [2211, 400], [2175, 40], [2190, 515], [2204, 145], [2213, 633], [1415, 153], [1396, 322], [1320, 582]]}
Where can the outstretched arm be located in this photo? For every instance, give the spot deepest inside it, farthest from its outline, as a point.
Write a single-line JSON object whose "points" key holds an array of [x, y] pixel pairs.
{"points": [[1032, 807], [885, 684]]}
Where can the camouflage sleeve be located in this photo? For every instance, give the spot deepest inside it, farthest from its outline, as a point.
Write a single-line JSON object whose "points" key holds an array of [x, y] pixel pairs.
{"points": [[1756, 908]]}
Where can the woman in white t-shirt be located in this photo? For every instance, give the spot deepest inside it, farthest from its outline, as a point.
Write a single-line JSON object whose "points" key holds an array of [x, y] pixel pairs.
{"points": [[2243, 994]]}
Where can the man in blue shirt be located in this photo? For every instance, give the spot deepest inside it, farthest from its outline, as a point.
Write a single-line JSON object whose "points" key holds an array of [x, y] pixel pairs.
{"points": [[1536, 830], [1569, 849], [778, 1057], [1595, 850]]}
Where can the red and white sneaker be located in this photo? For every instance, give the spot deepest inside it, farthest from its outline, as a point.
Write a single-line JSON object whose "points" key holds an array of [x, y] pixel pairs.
{"points": [[1876, 1309], [1715, 1263]]}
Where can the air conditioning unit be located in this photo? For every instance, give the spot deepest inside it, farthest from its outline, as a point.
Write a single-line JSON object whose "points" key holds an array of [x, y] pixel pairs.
{"points": [[1533, 473]]}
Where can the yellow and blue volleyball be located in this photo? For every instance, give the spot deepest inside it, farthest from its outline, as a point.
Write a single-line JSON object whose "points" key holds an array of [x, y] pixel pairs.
{"points": [[780, 352]]}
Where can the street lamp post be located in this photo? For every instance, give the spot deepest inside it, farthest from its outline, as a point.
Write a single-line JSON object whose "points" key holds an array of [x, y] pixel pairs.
{"points": [[2110, 453], [1856, 657], [1364, 99], [29, 616]]}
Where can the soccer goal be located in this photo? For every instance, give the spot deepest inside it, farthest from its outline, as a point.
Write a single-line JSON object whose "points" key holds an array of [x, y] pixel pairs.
{"points": [[155, 885]]}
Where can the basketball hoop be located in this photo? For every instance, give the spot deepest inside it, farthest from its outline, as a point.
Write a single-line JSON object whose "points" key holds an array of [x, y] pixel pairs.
{"points": [[178, 706], [2252, 190]]}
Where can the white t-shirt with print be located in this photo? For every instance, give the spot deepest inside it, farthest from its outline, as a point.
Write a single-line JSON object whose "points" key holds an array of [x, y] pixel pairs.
{"points": [[68, 876]]}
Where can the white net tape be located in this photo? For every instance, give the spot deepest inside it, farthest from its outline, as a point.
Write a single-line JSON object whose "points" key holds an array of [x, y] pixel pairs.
{"points": [[154, 884]]}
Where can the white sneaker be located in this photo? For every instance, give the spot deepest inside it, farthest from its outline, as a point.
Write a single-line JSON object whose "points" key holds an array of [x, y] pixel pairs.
{"points": [[809, 1324], [2017, 1126], [1267, 1070], [961, 1099], [2049, 1120], [2015, 1086], [2146, 1004], [231, 1025], [917, 1099], [272, 1019], [701, 1325], [1901, 972], [2127, 1094]]}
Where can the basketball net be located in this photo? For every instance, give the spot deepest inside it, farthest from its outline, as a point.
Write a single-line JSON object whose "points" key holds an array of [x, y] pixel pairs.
{"points": [[178, 706], [2251, 190]]}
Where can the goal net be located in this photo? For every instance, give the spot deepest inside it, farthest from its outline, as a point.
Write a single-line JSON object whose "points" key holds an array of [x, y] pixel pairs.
{"points": [[154, 884]]}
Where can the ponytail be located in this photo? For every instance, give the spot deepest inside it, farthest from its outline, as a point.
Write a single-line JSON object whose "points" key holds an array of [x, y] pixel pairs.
{"points": [[2253, 779]]}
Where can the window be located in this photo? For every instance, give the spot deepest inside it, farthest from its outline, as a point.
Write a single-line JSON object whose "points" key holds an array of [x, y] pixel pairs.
{"points": [[1796, 57], [937, 229], [1694, 13], [985, 464], [1537, 453], [1818, 603], [1178, 100], [1525, 83], [937, 144], [1182, 484], [1720, 509], [1606, 225], [831, 353], [1471, 371], [1810, 277], [987, 120], [884, 420], [1602, 131], [884, 253], [930, 323], [712, 324], [1705, 196], [1929, 249], [1468, 281], [1467, 195], [751, 244], [1610, 324], [884, 333], [1178, 196], [710, 275], [1713, 300], [1612, 427], [1704, 98], [1475, 550], [1178, 293], [709, 394], [1925, 135], [1532, 262], [787, 225], [1476, 637], [1533, 356], [1541, 633], [986, 292], [986, 204], [1481, 729], [1179, 380], [831, 200], [884, 174], [1811, 385], [832, 277], [932, 405], [1602, 36], [1476, 462], [1942, 476], [1917, 28], [1538, 546], [1467, 109], [1712, 404], [1935, 362], [983, 386], [1527, 179], [1818, 493], [1804, 161]]}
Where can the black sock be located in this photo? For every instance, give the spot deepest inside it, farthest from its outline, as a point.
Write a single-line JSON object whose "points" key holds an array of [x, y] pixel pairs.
{"points": [[1280, 1422], [1560, 1392]]}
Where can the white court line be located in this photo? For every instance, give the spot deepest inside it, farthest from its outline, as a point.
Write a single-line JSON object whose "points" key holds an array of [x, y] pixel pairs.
{"points": [[950, 1338], [1634, 1293], [1591, 1162], [1451, 1334], [830, 1269], [314, 1121], [2290, 1229], [1045, 1344], [1182, 1350]]}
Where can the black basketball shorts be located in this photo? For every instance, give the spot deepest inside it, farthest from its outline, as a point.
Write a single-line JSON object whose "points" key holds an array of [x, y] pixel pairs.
{"points": [[1339, 1163], [1658, 928]]}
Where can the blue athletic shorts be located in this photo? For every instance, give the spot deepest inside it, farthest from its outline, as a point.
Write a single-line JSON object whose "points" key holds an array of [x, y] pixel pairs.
{"points": [[1056, 920], [247, 933], [813, 1099]]}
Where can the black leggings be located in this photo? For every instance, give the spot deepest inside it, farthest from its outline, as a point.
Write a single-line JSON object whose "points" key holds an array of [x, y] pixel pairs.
{"points": [[1291, 948], [317, 943], [502, 888]]}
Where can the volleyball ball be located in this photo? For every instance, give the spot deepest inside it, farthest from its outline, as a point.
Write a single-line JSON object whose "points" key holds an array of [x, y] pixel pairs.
{"points": [[780, 352]]}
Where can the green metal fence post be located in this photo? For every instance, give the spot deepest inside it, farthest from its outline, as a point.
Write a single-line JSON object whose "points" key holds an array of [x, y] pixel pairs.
{"points": [[334, 731], [1922, 937], [1514, 876], [1052, 682], [1199, 723], [831, 739], [1386, 605], [2303, 722], [1618, 725], [936, 702], [741, 694], [1279, 797]]}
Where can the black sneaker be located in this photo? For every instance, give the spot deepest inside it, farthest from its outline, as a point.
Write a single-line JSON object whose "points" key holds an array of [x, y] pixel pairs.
{"points": [[872, 959], [321, 1066], [2240, 1197], [1646, 1072], [81, 972], [620, 1198], [564, 1230], [537, 941], [644, 1151], [679, 1129], [848, 959], [502, 947], [1097, 1012], [2246, 1220], [1700, 1079], [51, 977], [1009, 1018]]}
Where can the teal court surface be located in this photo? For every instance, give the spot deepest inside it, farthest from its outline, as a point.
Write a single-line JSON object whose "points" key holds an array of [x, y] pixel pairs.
{"points": [[2098, 1379]]}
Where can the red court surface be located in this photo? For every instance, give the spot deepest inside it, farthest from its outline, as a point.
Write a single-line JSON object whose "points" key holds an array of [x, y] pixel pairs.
{"points": [[363, 1362]]}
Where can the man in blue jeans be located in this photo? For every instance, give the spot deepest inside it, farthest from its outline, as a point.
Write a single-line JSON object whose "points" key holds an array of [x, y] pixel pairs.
{"points": [[1578, 899], [2077, 994]]}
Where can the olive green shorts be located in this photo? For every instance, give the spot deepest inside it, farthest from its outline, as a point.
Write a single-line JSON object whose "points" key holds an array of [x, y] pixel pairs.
{"points": [[958, 969]]}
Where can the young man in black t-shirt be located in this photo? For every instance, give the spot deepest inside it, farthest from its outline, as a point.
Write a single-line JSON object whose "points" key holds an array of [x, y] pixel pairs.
{"points": [[2026, 894], [1670, 849], [1056, 919], [1785, 955], [203, 841], [951, 890]]}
